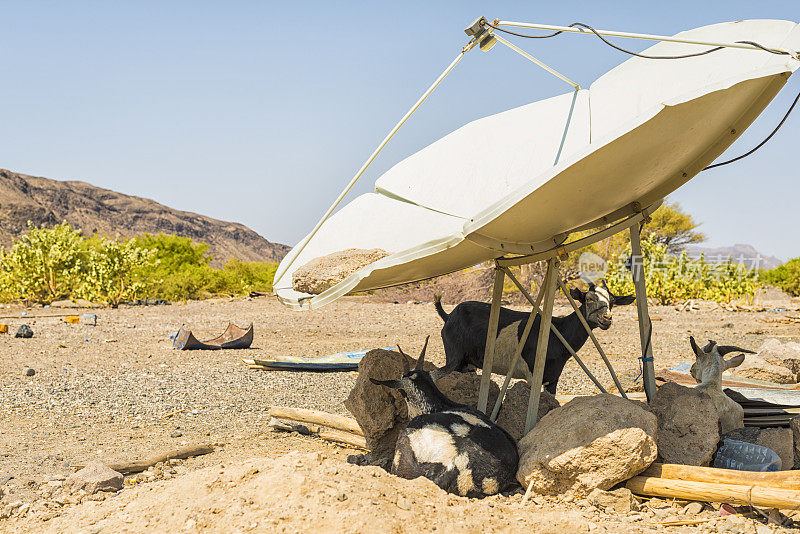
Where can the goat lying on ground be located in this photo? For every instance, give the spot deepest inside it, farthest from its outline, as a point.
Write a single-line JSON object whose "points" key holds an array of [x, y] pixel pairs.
{"points": [[464, 334], [708, 371], [460, 449]]}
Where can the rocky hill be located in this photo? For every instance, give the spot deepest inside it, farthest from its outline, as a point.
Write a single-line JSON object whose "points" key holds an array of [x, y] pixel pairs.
{"points": [[744, 254], [93, 209]]}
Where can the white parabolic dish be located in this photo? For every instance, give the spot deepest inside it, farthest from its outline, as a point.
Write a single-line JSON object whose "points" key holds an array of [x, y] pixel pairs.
{"points": [[530, 175]]}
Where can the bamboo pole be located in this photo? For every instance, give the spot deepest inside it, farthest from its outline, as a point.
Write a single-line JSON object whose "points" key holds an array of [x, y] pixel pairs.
{"points": [[704, 491], [778, 479], [302, 415]]}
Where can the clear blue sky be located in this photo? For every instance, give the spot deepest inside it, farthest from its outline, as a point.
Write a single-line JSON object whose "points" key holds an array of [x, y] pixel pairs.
{"points": [[260, 112]]}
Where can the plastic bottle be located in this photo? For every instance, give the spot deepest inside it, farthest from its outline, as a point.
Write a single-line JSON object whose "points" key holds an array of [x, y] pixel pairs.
{"points": [[745, 456]]}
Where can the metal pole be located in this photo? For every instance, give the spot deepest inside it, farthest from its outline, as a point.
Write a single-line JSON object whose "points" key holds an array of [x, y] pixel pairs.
{"points": [[541, 345], [645, 326], [515, 360], [491, 337], [517, 357], [648, 37], [302, 245], [594, 339], [541, 64]]}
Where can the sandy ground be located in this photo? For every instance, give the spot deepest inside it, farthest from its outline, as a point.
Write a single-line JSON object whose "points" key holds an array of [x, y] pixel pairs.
{"points": [[119, 391]]}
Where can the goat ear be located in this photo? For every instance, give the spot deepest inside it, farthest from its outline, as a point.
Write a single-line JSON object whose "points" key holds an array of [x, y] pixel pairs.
{"points": [[624, 300], [697, 350], [736, 361], [421, 359], [577, 294], [388, 383]]}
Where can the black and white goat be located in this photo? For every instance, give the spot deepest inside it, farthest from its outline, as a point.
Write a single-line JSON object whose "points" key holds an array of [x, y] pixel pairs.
{"points": [[464, 333], [457, 447]]}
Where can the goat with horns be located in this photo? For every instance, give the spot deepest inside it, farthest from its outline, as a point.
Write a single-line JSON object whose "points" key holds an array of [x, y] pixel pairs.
{"points": [[457, 447]]}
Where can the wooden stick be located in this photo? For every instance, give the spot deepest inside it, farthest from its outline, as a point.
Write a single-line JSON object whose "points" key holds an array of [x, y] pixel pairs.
{"points": [[339, 422], [314, 430], [527, 493], [703, 491], [136, 466], [778, 479], [343, 437]]}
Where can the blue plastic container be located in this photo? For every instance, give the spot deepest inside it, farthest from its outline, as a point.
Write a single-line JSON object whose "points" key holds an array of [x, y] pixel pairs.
{"points": [[744, 456]]}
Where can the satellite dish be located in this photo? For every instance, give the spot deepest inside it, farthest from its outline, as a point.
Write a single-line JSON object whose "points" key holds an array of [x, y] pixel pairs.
{"points": [[522, 180]]}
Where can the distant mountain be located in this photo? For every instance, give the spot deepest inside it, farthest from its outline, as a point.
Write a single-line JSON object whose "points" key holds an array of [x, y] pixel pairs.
{"points": [[93, 209], [745, 254]]}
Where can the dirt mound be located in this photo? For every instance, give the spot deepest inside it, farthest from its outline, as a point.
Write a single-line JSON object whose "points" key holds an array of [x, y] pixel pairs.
{"points": [[302, 493], [93, 209]]}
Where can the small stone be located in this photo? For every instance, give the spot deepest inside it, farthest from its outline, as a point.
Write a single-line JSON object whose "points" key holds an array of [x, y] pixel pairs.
{"points": [[763, 529], [620, 500], [176, 434], [96, 476], [24, 331], [28, 372], [693, 508]]}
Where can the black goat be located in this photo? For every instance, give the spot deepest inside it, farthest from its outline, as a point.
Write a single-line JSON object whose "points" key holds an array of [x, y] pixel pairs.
{"points": [[464, 334], [457, 447]]}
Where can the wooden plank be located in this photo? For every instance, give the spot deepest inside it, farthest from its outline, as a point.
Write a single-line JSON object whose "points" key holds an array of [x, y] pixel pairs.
{"points": [[704, 491], [338, 422], [775, 479], [136, 466]]}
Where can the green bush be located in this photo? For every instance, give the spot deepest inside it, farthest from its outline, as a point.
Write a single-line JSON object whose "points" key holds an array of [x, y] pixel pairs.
{"points": [[111, 269], [47, 264], [672, 279], [786, 276], [181, 270], [240, 278], [43, 265]]}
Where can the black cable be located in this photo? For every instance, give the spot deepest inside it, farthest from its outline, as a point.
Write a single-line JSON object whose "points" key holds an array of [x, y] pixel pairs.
{"points": [[612, 45], [609, 43], [762, 143]]}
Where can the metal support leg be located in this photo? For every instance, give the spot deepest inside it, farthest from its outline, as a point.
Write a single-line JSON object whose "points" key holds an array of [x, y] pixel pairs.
{"points": [[517, 356], [541, 345], [645, 326], [594, 339], [491, 337]]}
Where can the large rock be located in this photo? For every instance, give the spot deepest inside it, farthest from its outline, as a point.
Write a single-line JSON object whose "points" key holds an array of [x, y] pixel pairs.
{"points": [[463, 388], [590, 442], [326, 271], [784, 354], [795, 426], [381, 412], [759, 368], [779, 440], [688, 425], [96, 476]]}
